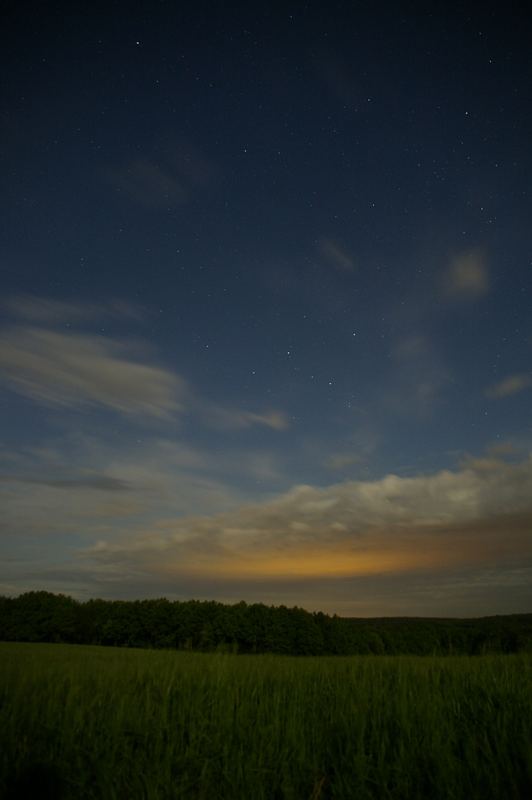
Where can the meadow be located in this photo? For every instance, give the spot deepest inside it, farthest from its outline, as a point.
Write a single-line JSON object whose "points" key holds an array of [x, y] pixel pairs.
{"points": [[95, 722]]}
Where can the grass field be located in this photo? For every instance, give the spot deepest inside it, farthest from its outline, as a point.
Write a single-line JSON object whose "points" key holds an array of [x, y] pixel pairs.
{"points": [[92, 722]]}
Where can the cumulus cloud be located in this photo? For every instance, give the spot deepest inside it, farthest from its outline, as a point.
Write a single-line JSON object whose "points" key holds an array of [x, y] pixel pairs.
{"points": [[510, 385], [80, 370], [164, 520], [471, 518], [467, 275]]}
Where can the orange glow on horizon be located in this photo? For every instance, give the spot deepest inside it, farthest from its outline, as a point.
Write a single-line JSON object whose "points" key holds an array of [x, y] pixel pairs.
{"points": [[385, 554], [295, 564]]}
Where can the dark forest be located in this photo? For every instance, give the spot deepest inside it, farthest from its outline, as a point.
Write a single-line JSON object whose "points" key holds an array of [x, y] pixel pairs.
{"points": [[251, 628]]}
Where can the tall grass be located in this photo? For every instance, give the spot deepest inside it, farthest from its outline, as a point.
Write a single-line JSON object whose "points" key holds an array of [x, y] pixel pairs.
{"points": [[88, 722]]}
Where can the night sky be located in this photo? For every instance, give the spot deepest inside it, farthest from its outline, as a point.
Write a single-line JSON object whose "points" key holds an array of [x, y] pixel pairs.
{"points": [[266, 312]]}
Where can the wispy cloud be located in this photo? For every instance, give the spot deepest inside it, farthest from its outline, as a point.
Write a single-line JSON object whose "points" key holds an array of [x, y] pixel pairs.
{"points": [[47, 311], [339, 461], [235, 419], [510, 386], [171, 178], [418, 378], [410, 348], [357, 451], [82, 482], [74, 369], [79, 370], [336, 255], [149, 184], [467, 276], [103, 483]]}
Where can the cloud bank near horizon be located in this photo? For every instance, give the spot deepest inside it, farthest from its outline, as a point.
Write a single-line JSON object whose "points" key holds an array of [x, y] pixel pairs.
{"points": [[481, 514], [341, 546]]}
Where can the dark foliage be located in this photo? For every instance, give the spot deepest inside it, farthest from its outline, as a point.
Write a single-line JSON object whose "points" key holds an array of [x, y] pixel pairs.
{"points": [[250, 628]]}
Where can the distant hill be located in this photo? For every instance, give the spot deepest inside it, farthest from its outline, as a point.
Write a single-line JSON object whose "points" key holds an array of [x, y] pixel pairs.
{"points": [[501, 634], [251, 628]]}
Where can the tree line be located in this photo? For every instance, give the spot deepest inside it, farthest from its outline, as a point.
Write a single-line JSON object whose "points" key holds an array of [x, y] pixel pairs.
{"points": [[250, 628]]}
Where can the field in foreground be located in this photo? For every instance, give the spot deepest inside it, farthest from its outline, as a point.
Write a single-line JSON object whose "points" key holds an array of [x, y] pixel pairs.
{"points": [[92, 722]]}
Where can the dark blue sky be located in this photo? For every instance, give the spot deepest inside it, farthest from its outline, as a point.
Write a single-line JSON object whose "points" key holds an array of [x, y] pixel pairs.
{"points": [[266, 302]]}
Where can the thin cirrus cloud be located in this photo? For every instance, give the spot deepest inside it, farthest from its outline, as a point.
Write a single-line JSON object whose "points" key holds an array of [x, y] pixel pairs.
{"points": [[46, 311], [339, 461], [170, 179], [357, 450], [103, 483], [80, 370], [467, 275], [419, 377], [411, 347], [149, 184], [82, 481], [510, 386], [336, 255], [236, 419]]}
